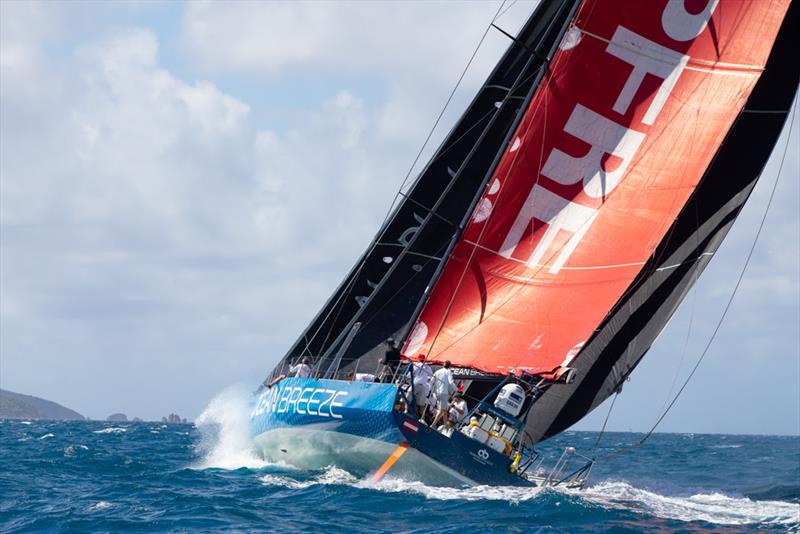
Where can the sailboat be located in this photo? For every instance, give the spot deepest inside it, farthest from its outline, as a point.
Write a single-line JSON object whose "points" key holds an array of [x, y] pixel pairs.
{"points": [[546, 243]]}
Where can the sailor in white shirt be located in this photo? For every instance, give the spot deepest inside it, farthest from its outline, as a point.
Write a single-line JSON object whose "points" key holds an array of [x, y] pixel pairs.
{"points": [[458, 409], [422, 385], [302, 369], [361, 377], [443, 386]]}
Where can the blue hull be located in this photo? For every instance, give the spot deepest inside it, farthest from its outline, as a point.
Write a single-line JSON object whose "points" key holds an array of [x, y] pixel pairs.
{"points": [[355, 425]]}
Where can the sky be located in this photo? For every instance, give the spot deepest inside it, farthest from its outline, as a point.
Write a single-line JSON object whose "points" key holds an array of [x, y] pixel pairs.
{"points": [[182, 185]]}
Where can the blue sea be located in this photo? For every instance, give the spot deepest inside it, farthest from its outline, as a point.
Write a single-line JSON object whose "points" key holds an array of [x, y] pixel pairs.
{"points": [[118, 477]]}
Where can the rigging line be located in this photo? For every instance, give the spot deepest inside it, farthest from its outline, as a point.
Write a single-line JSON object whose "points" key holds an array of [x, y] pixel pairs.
{"points": [[555, 67], [602, 430], [410, 170], [449, 99], [516, 85], [506, 9], [427, 210], [693, 281], [401, 289], [730, 300]]}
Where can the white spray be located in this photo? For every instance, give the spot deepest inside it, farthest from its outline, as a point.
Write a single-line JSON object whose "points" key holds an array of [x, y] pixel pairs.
{"points": [[224, 427]]}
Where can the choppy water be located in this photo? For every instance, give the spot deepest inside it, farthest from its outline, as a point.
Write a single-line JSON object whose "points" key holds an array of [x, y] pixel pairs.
{"points": [[102, 477]]}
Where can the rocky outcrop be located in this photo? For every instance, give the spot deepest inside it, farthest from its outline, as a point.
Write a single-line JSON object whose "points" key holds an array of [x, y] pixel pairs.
{"points": [[173, 418], [117, 418], [19, 406]]}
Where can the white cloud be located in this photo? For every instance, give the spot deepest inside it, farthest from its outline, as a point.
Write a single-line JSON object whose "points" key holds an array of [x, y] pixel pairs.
{"points": [[147, 221], [408, 40]]}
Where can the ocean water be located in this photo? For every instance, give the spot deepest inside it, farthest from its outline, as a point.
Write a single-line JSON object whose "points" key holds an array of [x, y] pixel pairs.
{"points": [[104, 477]]}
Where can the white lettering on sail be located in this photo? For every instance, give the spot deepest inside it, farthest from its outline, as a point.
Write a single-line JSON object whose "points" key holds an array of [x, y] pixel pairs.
{"points": [[361, 299], [681, 25], [560, 214], [404, 239], [605, 137], [646, 57], [408, 233]]}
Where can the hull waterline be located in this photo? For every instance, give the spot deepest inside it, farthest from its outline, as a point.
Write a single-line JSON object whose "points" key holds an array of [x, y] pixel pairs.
{"points": [[357, 427]]}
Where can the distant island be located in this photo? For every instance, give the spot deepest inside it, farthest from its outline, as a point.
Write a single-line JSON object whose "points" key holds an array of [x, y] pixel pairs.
{"points": [[173, 418], [27, 407], [122, 418], [19, 406]]}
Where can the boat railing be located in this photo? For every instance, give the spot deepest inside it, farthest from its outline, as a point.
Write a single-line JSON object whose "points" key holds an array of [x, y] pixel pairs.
{"points": [[573, 479]]}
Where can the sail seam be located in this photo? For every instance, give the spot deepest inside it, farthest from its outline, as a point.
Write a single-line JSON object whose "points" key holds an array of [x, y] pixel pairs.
{"points": [[700, 65], [588, 268]]}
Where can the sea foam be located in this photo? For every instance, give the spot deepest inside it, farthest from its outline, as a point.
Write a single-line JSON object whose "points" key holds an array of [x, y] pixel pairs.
{"points": [[224, 427], [713, 507]]}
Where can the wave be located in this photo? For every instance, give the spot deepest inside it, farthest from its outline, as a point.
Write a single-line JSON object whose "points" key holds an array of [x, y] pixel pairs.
{"points": [[72, 450], [47, 436], [713, 508], [331, 475], [111, 430], [224, 428], [100, 505], [513, 494], [775, 492]]}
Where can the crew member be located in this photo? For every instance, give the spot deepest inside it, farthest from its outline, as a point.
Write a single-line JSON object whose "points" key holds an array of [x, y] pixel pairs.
{"points": [[384, 372], [391, 355], [302, 369], [360, 377], [422, 386], [458, 409], [443, 386], [390, 360]]}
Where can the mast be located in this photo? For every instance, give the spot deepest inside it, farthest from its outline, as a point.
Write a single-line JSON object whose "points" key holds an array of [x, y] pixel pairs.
{"points": [[393, 302], [558, 20], [394, 238]]}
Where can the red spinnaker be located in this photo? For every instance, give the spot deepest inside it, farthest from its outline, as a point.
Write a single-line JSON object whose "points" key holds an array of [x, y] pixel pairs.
{"points": [[629, 116]]}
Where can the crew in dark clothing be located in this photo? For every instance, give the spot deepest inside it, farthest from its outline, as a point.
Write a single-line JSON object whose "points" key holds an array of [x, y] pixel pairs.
{"points": [[390, 360], [392, 354]]}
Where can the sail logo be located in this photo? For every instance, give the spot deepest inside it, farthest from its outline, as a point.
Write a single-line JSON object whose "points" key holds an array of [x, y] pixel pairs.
{"points": [[568, 221], [321, 402]]}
